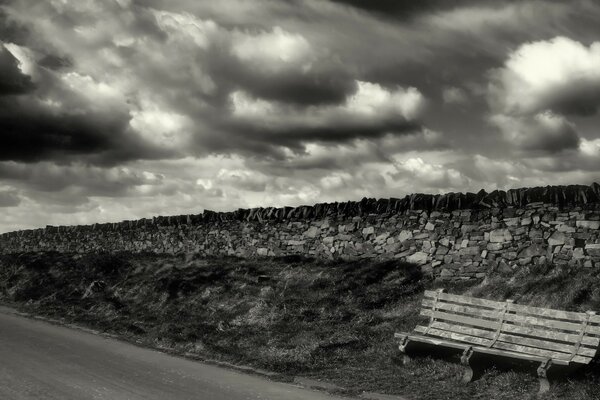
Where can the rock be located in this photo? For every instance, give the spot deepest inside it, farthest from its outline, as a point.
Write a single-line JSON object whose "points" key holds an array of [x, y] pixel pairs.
{"points": [[418, 258], [368, 231], [557, 239], [512, 221], [469, 251], [494, 246], [468, 228], [532, 251], [429, 226], [593, 249], [504, 268], [566, 228], [312, 232], [500, 236], [588, 224], [578, 253], [328, 240], [404, 236], [441, 250], [446, 273]]}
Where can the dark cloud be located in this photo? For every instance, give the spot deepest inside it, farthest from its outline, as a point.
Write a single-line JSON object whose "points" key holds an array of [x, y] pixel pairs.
{"points": [[96, 181], [10, 30], [405, 9], [399, 8], [12, 81], [321, 85], [31, 133], [55, 62]]}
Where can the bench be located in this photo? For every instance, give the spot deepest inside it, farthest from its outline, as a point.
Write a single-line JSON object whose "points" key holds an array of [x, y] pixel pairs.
{"points": [[492, 333]]}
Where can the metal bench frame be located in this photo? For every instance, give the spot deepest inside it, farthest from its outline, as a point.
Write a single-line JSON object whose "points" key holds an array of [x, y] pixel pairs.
{"points": [[487, 331]]}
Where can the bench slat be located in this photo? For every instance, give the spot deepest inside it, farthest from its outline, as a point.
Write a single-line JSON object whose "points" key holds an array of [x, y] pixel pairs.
{"points": [[536, 311], [516, 318], [553, 335], [504, 337], [507, 346], [483, 323], [462, 346], [466, 300], [463, 309]]}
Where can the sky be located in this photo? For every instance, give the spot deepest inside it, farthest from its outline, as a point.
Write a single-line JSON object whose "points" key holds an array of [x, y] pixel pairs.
{"points": [[125, 109]]}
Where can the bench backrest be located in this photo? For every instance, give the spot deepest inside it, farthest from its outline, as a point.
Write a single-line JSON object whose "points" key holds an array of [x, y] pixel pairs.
{"points": [[539, 332]]}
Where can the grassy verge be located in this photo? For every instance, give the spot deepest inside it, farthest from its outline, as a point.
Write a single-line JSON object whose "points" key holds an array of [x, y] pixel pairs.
{"points": [[331, 321]]}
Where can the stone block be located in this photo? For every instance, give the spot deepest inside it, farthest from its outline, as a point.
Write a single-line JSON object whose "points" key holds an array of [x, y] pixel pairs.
{"points": [[593, 249], [588, 224], [404, 236], [312, 232], [512, 221], [566, 228], [500, 236], [469, 251], [557, 239], [533, 251], [418, 258], [578, 253], [369, 230], [446, 273], [442, 250]]}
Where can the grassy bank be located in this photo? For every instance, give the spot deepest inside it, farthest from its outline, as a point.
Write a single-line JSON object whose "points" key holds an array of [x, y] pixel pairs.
{"points": [[331, 321]]}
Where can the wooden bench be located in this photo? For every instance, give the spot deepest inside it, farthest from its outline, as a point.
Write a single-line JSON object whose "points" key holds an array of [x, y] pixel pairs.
{"points": [[492, 332]]}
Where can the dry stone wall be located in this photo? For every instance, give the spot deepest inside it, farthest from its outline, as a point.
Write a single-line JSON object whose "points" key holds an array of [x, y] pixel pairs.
{"points": [[452, 236]]}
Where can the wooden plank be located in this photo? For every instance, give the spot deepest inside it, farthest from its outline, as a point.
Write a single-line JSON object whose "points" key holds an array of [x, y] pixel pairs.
{"points": [[550, 324], [556, 314], [516, 318], [520, 308], [562, 347], [463, 309], [466, 300], [515, 348], [555, 335], [460, 319], [462, 346]]}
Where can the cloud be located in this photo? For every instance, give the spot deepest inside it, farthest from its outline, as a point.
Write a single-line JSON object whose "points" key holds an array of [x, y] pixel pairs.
{"points": [[125, 109], [9, 199], [454, 95], [12, 80], [561, 75], [546, 132], [431, 176], [372, 111]]}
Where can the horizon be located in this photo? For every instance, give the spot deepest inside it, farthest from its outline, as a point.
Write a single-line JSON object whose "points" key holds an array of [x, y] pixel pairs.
{"points": [[127, 109], [266, 207]]}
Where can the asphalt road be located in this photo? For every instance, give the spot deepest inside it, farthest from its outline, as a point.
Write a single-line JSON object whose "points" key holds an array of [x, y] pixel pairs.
{"points": [[39, 360]]}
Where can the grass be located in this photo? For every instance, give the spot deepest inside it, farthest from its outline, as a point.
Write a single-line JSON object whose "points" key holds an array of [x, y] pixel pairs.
{"points": [[332, 321]]}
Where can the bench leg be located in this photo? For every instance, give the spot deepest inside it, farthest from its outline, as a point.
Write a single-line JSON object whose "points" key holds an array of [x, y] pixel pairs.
{"points": [[474, 368], [404, 349], [542, 372]]}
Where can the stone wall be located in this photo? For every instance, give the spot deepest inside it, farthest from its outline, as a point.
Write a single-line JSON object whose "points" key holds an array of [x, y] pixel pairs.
{"points": [[453, 236]]}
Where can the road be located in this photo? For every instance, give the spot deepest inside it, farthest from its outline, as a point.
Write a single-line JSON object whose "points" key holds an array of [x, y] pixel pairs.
{"points": [[39, 360]]}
